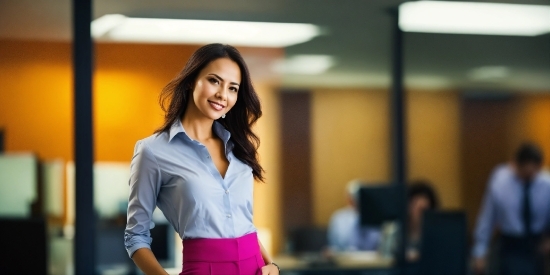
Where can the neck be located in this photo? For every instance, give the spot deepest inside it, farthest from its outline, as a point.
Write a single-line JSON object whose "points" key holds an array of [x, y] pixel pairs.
{"points": [[414, 228], [196, 125]]}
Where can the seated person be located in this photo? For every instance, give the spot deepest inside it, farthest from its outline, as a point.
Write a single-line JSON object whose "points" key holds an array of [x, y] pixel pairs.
{"points": [[345, 232], [421, 197]]}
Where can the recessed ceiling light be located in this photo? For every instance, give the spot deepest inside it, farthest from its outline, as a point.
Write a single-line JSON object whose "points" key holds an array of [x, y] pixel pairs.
{"points": [[116, 27], [474, 18], [304, 64]]}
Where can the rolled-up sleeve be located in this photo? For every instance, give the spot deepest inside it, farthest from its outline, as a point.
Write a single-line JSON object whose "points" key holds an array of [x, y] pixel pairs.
{"points": [[145, 185]]}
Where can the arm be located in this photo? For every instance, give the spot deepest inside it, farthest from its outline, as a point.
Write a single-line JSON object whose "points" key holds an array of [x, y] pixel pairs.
{"points": [[484, 228], [334, 243], [484, 225], [269, 268], [147, 262], [144, 189], [265, 255]]}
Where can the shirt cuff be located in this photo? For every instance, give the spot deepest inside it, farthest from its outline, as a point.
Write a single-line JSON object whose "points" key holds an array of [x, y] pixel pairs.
{"points": [[132, 249]]}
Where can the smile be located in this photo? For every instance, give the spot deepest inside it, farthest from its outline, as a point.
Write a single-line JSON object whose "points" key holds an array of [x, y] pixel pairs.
{"points": [[216, 106]]}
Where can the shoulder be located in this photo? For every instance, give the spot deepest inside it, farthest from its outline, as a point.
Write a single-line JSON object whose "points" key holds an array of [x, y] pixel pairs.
{"points": [[501, 176], [152, 142], [502, 172], [545, 177], [344, 213], [152, 145]]}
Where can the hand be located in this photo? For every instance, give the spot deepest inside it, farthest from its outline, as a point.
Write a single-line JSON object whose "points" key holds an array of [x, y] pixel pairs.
{"points": [[479, 265], [270, 269]]}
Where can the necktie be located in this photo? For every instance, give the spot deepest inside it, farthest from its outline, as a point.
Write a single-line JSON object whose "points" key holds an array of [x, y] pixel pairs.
{"points": [[527, 209]]}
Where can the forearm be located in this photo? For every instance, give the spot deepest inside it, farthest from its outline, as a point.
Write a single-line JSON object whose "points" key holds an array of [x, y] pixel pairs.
{"points": [[147, 262], [265, 255], [484, 227]]}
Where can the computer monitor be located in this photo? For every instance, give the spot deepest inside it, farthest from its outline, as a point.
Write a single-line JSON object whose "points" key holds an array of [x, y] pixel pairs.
{"points": [[308, 239], [378, 204], [23, 243], [443, 247]]}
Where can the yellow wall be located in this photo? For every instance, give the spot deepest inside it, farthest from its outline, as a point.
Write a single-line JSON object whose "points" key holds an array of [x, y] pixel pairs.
{"points": [[530, 120], [36, 105], [434, 143], [267, 209], [351, 139], [35, 98]]}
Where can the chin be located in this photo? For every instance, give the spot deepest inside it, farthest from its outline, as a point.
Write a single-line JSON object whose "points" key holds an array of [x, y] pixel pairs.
{"points": [[213, 116]]}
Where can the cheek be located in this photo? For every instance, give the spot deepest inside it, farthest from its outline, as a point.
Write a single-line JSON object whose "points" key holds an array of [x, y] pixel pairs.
{"points": [[202, 90], [197, 92], [232, 99]]}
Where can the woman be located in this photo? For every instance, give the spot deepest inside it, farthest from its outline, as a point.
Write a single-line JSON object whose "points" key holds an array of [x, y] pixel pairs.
{"points": [[421, 197], [199, 169]]}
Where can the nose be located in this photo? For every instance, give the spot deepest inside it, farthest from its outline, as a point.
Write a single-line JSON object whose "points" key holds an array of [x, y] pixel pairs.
{"points": [[222, 93]]}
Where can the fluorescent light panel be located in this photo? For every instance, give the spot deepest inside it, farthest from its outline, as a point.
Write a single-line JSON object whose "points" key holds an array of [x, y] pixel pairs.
{"points": [[116, 27], [307, 64], [474, 18]]}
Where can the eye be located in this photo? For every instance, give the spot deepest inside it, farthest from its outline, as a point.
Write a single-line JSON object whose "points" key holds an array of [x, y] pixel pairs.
{"points": [[234, 89], [214, 80]]}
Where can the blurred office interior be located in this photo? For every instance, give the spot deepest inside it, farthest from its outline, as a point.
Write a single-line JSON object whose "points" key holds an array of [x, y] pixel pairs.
{"points": [[469, 101]]}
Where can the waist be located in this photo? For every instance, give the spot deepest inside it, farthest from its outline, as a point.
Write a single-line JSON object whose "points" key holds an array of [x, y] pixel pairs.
{"points": [[221, 250], [514, 242]]}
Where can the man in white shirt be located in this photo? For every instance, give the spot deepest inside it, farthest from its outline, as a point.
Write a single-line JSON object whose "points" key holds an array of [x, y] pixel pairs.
{"points": [[345, 232]]}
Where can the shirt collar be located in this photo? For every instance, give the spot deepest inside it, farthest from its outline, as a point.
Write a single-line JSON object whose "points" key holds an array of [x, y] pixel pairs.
{"points": [[176, 129], [218, 129], [221, 132]]}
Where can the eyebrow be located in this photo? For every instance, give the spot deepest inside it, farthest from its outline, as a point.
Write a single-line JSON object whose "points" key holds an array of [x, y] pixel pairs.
{"points": [[221, 79]]}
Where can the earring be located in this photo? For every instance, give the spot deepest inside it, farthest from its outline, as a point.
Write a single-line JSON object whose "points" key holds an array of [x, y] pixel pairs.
{"points": [[223, 116]]}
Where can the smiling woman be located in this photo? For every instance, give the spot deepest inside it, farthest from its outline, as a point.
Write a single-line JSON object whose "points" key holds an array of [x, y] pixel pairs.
{"points": [[176, 96], [199, 169]]}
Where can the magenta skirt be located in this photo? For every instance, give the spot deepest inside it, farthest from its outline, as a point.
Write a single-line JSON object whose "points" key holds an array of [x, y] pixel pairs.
{"points": [[239, 256]]}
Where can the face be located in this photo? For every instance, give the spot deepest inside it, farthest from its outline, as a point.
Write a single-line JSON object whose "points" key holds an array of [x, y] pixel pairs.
{"points": [[216, 88], [528, 171], [417, 206]]}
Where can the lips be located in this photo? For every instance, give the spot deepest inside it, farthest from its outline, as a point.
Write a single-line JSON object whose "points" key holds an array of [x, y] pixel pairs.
{"points": [[216, 106]]}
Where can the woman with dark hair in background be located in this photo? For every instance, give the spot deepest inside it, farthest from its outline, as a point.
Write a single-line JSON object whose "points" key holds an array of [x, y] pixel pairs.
{"points": [[199, 169], [421, 197]]}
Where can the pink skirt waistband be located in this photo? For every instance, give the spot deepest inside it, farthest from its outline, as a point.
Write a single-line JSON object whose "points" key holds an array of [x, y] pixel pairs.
{"points": [[220, 250]]}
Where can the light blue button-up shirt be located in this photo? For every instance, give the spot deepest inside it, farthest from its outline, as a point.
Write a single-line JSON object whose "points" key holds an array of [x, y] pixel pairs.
{"points": [[176, 173], [503, 207]]}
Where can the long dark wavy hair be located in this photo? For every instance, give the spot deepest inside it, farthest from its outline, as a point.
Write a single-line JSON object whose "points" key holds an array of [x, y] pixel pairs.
{"points": [[238, 121]]}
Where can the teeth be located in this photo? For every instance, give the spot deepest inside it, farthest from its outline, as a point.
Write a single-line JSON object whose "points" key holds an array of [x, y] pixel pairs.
{"points": [[216, 105]]}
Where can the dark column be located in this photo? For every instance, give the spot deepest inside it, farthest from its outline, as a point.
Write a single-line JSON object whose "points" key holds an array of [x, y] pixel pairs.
{"points": [[398, 132], [296, 160], [85, 222], [2, 139]]}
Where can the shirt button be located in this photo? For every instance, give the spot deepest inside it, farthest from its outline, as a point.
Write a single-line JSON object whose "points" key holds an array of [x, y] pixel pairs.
{"points": [[207, 156], [229, 215], [227, 191]]}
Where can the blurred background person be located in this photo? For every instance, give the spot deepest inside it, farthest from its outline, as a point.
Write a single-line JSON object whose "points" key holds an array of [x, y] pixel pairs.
{"points": [[345, 232], [517, 203], [421, 197]]}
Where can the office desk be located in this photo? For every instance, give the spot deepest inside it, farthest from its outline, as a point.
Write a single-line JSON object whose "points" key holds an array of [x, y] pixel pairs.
{"points": [[349, 263]]}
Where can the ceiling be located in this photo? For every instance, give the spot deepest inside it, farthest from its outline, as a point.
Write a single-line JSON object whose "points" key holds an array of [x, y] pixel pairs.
{"points": [[357, 34]]}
